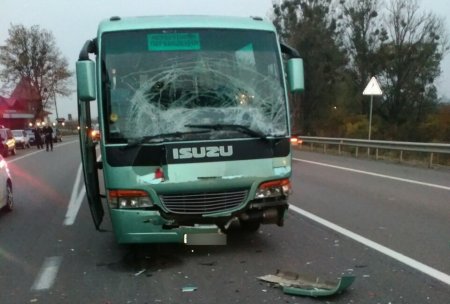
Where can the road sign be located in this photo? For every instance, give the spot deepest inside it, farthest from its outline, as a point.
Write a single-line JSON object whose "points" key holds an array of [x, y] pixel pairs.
{"points": [[373, 88]]}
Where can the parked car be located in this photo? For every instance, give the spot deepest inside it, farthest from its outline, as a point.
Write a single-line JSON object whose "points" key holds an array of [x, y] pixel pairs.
{"points": [[8, 143], [30, 134], [6, 191], [22, 138]]}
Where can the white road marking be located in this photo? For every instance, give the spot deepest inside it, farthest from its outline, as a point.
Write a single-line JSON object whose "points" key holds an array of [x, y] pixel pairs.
{"points": [[432, 272], [39, 151], [47, 274], [75, 200], [443, 277], [374, 174]]}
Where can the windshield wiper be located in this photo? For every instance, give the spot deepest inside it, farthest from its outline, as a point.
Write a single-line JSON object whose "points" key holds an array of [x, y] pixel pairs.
{"points": [[160, 137], [233, 127]]}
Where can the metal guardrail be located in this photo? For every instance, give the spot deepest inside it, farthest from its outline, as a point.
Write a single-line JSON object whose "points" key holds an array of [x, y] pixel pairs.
{"points": [[377, 145]]}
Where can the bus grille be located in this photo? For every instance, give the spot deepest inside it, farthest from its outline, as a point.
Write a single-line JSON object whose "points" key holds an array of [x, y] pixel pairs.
{"points": [[203, 203]]}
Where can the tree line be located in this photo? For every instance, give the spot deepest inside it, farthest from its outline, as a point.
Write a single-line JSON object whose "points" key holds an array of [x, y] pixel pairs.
{"points": [[31, 55], [343, 44]]}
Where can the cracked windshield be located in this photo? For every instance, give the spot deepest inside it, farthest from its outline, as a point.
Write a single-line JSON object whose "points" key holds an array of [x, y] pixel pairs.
{"points": [[159, 82]]}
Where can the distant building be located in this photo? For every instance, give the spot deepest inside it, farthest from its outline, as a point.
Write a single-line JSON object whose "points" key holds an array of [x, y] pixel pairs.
{"points": [[19, 110]]}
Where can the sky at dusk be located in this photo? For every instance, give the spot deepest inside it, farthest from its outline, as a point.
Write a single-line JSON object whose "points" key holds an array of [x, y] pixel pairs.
{"points": [[73, 22]]}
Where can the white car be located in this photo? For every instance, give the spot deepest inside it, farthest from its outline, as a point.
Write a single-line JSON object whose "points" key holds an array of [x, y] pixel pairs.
{"points": [[22, 138], [6, 192]]}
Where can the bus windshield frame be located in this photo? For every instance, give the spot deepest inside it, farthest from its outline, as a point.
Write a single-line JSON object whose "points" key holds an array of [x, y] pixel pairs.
{"points": [[157, 82]]}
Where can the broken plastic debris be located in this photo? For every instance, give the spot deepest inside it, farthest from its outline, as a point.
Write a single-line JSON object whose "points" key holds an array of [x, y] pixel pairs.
{"points": [[342, 284], [139, 272], [189, 288], [294, 284]]}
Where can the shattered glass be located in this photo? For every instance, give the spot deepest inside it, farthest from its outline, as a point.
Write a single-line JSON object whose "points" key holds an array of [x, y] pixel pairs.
{"points": [[164, 92]]}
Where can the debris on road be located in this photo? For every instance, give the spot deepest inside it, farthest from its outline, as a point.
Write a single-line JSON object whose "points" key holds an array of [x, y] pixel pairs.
{"points": [[140, 272], [294, 284], [189, 288]]}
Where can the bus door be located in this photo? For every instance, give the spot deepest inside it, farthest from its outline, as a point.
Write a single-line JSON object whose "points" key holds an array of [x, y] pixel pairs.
{"points": [[86, 93]]}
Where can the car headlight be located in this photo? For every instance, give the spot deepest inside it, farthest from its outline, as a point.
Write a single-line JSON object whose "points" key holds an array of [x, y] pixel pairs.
{"points": [[126, 199], [276, 188]]}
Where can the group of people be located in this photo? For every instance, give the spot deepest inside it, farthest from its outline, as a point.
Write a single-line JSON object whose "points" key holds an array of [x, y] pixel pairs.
{"points": [[47, 131]]}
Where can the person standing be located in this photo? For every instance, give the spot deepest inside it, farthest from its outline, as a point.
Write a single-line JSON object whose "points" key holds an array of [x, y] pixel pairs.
{"points": [[48, 132], [38, 137]]}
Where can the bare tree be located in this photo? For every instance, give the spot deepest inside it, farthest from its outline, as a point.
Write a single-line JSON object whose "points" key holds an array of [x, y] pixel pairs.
{"points": [[411, 57], [308, 26], [31, 54], [362, 35]]}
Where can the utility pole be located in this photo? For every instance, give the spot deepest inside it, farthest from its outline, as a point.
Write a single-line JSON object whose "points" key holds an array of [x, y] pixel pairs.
{"points": [[56, 106]]}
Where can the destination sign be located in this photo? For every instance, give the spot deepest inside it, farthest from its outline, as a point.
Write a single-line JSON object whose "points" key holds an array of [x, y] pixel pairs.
{"points": [[173, 42]]}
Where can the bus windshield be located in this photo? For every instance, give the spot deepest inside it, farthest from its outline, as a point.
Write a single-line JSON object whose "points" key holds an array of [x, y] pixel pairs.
{"points": [[157, 82]]}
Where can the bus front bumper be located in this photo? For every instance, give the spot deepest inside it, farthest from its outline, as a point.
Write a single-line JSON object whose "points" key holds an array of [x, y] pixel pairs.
{"points": [[143, 226]]}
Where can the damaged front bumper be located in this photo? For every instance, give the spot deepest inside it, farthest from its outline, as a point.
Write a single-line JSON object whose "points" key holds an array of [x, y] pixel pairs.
{"points": [[143, 226], [151, 226]]}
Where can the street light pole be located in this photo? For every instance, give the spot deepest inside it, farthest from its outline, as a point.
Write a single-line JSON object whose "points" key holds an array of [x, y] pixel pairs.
{"points": [[56, 107]]}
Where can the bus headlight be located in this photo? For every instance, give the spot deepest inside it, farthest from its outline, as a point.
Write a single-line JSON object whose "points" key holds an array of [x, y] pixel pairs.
{"points": [[274, 188], [125, 199]]}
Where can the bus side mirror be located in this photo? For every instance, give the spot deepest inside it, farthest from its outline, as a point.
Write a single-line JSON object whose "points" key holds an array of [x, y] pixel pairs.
{"points": [[86, 80], [295, 75]]}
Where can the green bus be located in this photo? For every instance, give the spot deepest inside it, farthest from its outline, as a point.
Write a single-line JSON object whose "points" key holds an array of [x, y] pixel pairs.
{"points": [[194, 119]]}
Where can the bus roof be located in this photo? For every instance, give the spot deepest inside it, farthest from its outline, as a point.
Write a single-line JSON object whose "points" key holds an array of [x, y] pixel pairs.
{"points": [[183, 21]]}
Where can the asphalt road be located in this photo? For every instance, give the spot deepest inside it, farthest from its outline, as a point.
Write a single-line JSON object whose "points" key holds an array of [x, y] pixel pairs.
{"points": [[50, 251]]}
